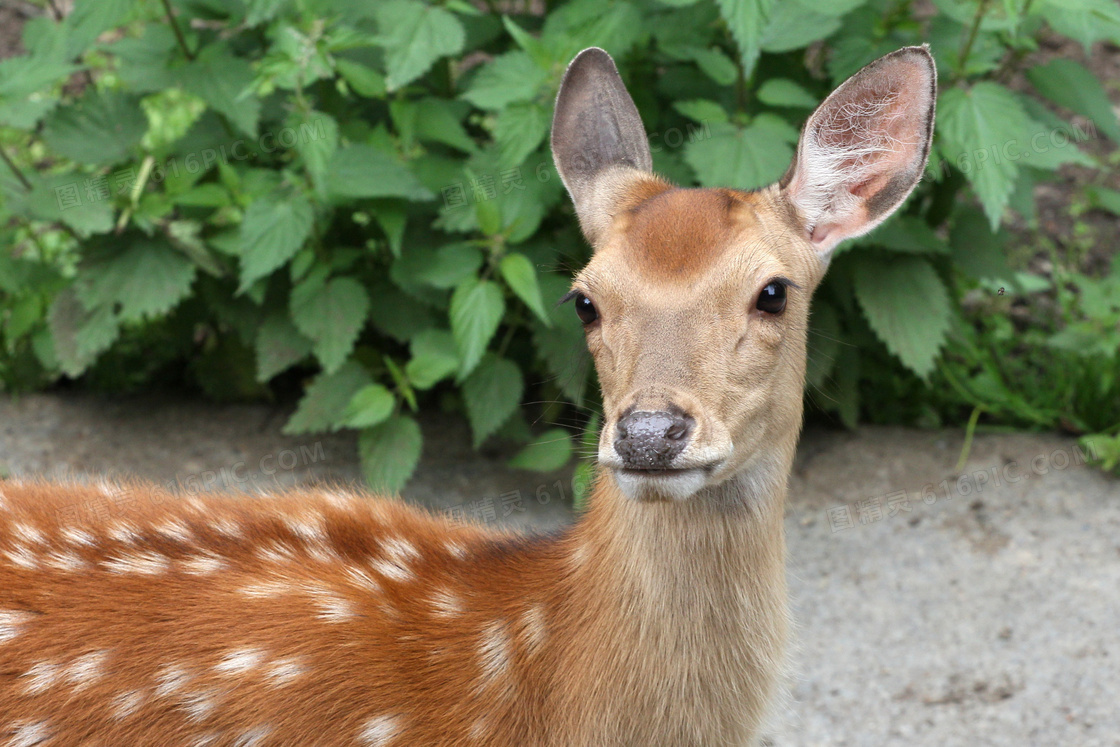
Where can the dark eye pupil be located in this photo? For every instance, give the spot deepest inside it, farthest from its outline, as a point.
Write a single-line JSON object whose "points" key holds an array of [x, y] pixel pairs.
{"points": [[585, 310], [772, 299]]}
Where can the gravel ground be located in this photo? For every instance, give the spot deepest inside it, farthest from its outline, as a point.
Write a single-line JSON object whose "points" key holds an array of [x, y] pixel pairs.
{"points": [[989, 615]]}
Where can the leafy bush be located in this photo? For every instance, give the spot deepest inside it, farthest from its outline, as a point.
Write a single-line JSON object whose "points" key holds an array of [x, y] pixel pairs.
{"points": [[356, 198]]}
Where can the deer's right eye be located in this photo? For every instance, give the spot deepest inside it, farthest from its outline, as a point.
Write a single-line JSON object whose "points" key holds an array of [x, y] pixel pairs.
{"points": [[585, 310]]}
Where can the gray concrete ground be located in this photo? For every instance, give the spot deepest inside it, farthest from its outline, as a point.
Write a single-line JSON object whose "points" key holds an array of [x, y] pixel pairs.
{"points": [[985, 613]]}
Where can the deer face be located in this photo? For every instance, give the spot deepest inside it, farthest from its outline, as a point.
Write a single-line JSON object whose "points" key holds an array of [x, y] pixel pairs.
{"points": [[696, 301]]}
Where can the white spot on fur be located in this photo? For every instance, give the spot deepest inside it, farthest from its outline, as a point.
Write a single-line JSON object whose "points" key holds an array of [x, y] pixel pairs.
{"points": [[203, 565], [28, 534], [171, 679], [126, 704], [275, 552], [199, 705], [77, 536], [446, 603], [535, 627], [240, 661], [228, 528], [266, 589], [144, 562], [64, 561], [578, 556], [125, 533], [493, 651], [343, 501], [398, 553], [284, 671], [28, 735], [12, 622], [332, 608], [308, 527], [479, 729], [87, 669], [253, 737], [41, 677], [456, 549], [363, 579], [380, 731], [22, 556], [206, 739], [175, 530]]}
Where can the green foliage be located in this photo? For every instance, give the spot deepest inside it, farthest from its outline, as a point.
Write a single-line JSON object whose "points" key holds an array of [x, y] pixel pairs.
{"points": [[358, 199]]}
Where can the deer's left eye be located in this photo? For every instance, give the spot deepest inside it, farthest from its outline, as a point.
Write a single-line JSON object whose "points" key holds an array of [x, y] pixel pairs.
{"points": [[772, 299]]}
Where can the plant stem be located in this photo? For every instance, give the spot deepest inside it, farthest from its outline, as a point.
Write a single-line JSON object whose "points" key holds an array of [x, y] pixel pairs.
{"points": [[177, 30], [966, 50], [15, 170]]}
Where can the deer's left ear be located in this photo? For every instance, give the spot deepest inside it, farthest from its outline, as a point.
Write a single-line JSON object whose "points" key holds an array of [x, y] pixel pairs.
{"points": [[864, 149]]}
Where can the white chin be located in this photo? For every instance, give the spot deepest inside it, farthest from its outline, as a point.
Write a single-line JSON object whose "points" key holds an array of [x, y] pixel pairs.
{"points": [[665, 486]]}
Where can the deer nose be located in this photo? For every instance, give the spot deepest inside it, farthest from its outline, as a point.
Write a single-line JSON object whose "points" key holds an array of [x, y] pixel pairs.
{"points": [[647, 439]]}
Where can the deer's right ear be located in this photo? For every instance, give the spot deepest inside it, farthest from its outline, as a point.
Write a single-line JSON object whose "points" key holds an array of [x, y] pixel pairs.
{"points": [[598, 142]]}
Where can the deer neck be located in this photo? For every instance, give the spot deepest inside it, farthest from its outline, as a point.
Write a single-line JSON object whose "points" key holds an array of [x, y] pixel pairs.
{"points": [[683, 609]]}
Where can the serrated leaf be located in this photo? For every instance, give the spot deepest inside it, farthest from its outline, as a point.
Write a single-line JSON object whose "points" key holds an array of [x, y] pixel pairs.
{"points": [[272, 231], [147, 278], [224, 81], [1087, 21], [279, 345], [907, 306], [743, 159], [332, 315], [518, 131], [532, 46], [370, 406], [1071, 85], [549, 452], [414, 36], [521, 277], [505, 80], [364, 171], [792, 26], [89, 19], [79, 336], [782, 92], [747, 20], [970, 123], [823, 343], [434, 358], [100, 128], [438, 121], [316, 144], [491, 393], [476, 310], [259, 11], [390, 452], [441, 268], [71, 199], [702, 110], [326, 399], [905, 233], [716, 65]]}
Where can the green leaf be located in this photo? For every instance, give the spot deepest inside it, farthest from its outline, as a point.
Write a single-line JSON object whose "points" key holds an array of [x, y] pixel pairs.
{"points": [[743, 159], [973, 122], [332, 315], [100, 128], [783, 92], [89, 19], [260, 11], [272, 231], [1087, 21], [326, 399], [1106, 199], [747, 20], [519, 130], [390, 452], [147, 278], [532, 46], [79, 202], [702, 110], [823, 343], [793, 26], [716, 65], [316, 144], [907, 306], [364, 171], [369, 406], [366, 81], [491, 393], [477, 307], [505, 80], [434, 358], [438, 121], [905, 233], [521, 277], [976, 250], [225, 82], [414, 36], [549, 452], [279, 346], [1069, 84], [144, 63], [79, 335], [441, 268]]}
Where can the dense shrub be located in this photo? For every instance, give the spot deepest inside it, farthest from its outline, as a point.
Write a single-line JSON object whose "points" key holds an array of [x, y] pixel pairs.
{"points": [[356, 198]]}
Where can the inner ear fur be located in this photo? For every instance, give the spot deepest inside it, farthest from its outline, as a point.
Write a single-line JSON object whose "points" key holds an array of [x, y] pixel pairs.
{"points": [[598, 142], [865, 147]]}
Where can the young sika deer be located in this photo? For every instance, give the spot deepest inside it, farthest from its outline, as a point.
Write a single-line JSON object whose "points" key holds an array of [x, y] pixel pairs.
{"points": [[130, 617]]}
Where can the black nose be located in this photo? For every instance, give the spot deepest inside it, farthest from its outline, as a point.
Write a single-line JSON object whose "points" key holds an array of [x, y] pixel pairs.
{"points": [[652, 440]]}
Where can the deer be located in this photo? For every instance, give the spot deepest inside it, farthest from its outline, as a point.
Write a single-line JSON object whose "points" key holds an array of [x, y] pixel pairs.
{"points": [[130, 615]]}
